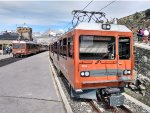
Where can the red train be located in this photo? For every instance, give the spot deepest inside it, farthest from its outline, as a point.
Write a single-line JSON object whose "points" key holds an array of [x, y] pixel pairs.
{"points": [[24, 48], [96, 59]]}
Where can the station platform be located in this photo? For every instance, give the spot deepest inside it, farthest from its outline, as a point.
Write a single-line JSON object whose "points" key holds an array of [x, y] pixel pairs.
{"points": [[27, 86], [142, 45], [5, 56]]}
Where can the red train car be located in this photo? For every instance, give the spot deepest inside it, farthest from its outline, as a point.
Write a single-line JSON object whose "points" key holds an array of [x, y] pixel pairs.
{"points": [[96, 59], [23, 48], [43, 47]]}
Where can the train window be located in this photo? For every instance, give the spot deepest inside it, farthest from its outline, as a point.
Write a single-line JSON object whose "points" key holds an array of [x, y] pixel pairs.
{"points": [[58, 44], [70, 47], [97, 47], [18, 46], [55, 46], [64, 47], [52, 49], [0, 46], [28, 46], [61, 47], [124, 48]]}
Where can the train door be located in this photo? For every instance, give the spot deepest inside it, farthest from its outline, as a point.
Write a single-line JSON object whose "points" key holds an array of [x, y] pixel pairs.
{"points": [[111, 59], [70, 60], [124, 59]]}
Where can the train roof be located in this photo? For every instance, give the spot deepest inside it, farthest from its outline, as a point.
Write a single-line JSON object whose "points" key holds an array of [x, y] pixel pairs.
{"points": [[98, 26], [23, 42]]}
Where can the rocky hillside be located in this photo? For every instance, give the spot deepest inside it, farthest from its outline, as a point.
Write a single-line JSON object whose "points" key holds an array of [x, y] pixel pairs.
{"points": [[136, 20]]}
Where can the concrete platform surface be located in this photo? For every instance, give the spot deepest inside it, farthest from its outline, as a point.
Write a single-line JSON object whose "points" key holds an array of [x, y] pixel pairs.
{"points": [[5, 56], [142, 45], [26, 86]]}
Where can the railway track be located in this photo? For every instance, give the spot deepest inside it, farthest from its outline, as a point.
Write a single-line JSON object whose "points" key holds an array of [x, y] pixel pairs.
{"points": [[119, 109], [122, 109], [95, 108]]}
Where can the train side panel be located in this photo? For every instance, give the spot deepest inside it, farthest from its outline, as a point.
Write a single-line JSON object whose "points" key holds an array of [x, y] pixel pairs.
{"points": [[65, 64]]}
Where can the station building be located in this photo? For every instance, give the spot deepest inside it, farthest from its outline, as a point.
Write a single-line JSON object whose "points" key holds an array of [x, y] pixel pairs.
{"points": [[21, 33], [6, 38], [25, 33]]}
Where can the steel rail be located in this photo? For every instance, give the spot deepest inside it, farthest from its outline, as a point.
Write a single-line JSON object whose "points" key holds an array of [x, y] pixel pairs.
{"points": [[121, 109], [95, 108]]}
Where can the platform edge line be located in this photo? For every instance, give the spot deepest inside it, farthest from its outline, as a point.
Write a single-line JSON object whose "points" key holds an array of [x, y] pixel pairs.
{"points": [[63, 96]]}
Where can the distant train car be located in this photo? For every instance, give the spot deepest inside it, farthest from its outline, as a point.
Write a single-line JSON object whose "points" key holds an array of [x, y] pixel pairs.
{"points": [[43, 47], [96, 59], [23, 48]]}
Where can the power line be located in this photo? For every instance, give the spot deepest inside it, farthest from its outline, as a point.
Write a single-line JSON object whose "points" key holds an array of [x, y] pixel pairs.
{"points": [[79, 13], [104, 8], [107, 5], [88, 5]]}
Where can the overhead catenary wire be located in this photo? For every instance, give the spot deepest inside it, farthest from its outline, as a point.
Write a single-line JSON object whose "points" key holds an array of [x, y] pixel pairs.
{"points": [[92, 16], [107, 5], [79, 13], [88, 5]]}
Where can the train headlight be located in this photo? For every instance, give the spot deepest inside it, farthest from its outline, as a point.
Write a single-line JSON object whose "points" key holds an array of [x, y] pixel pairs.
{"points": [[106, 26], [127, 72], [87, 73], [82, 74]]}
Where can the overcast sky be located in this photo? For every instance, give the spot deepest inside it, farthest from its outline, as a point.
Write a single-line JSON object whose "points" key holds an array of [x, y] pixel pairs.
{"points": [[43, 15]]}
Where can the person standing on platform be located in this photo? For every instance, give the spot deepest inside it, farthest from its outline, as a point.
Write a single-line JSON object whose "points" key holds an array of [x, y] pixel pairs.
{"points": [[146, 35], [9, 49], [139, 35]]}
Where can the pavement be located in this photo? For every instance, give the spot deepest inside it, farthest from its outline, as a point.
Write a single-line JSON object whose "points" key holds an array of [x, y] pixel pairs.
{"points": [[5, 56], [27, 86]]}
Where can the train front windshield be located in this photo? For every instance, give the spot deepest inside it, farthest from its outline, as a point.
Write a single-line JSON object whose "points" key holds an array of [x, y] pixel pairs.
{"points": [[18, 46], [96, 47]]}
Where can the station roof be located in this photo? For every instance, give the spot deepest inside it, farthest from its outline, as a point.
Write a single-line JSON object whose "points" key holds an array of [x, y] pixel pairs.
{"points": [[9, 36], [22, 41], [98, 26]]}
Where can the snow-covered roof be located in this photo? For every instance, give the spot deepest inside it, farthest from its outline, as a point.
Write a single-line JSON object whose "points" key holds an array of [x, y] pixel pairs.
{"points": [[98, 26]]}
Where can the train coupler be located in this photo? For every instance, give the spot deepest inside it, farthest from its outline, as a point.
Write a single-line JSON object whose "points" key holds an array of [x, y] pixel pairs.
{"points": [[113, 96], [116, 100]]}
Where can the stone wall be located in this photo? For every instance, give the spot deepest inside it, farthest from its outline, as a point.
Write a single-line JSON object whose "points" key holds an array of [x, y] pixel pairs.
{"points": [[142, 61], [142, 65]]}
